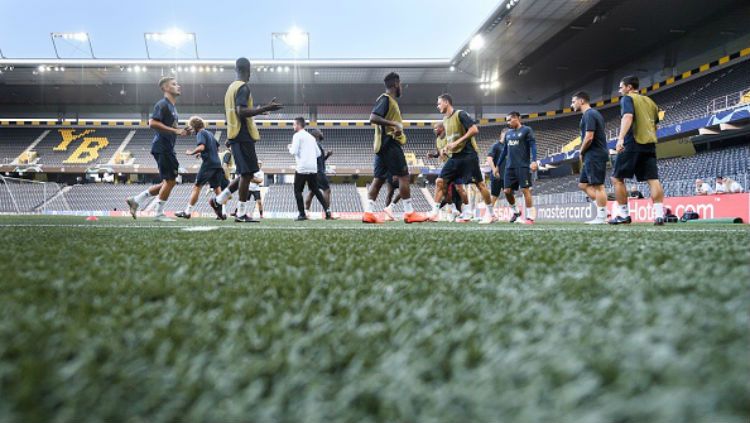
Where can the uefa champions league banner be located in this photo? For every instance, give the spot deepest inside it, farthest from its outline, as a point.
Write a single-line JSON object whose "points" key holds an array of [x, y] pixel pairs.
{"points": [[683, 128]]}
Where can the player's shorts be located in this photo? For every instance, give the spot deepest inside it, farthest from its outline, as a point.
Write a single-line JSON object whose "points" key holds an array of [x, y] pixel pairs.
{"points": [[496, 186], [594, 170], [168, 165], [210, 176], [245, 159], [323, 183], [641, 164], [462, 169], [390, 159], [255, 195], [517, 177]]}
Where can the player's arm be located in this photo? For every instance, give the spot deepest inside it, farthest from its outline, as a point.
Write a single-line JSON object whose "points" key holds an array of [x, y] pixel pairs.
{"points": [[329, 153], [491, 163], [531, 141], [294, 146], [196, 150], [377, 116], [155, 123], [504, 153], [379, 120], [587, 142], [626, 122], [472, 131], [246, 112]]}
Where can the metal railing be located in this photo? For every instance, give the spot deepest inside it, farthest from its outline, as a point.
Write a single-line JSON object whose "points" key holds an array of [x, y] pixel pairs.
{"points": [[728, 101]]}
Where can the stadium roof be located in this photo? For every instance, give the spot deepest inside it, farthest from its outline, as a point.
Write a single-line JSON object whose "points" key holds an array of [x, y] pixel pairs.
{"points": [[533, 51]]}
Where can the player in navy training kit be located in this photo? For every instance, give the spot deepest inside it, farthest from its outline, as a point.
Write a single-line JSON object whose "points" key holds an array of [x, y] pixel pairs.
{"points": [[520, 160]]}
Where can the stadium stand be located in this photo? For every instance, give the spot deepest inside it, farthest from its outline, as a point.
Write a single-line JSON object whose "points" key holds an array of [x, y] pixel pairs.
{"points": [[79, 146], [13, 142], [101, 197], [344, 198]]}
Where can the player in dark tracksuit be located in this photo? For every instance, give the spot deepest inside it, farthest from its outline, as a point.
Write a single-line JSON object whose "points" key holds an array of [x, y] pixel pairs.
{"points": [[211, 172], [497, 168], [163, 121], [520, 156], [323, 184], [594, 155]]}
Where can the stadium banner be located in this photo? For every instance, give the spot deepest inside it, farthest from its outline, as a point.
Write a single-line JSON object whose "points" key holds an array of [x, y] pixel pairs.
{"points": [[707, 207], [570, 212], [676, 148]]}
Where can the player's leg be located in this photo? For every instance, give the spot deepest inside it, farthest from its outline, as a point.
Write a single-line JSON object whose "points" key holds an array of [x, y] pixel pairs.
{"points": [[379, 174], [388, 210], [259, 204], [312, 185], [529, 203], [489, 214], [625, 165], [325, 187], [308, 201], [168, 169], [647, 170], [192, 199], [299, 186]]}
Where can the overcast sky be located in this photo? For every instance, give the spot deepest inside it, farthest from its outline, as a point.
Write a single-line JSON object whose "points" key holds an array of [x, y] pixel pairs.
{"points": [[338, 28]]}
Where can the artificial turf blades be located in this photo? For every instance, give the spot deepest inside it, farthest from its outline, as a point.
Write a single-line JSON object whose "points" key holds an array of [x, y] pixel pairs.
{"points": [[123, 320]]}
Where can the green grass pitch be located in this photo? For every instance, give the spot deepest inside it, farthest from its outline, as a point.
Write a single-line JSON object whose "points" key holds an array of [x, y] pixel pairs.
{"points": [[123, 320]]}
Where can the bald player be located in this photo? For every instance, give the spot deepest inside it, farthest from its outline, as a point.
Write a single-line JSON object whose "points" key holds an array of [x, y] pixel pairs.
{"points": [[242, 134]]}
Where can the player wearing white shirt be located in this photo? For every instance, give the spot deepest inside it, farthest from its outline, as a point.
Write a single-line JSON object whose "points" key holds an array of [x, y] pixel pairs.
{"points": [[304, 148]]}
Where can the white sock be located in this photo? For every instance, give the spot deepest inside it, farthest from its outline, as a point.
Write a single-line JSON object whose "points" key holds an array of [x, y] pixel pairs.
{"points": [[223, 197], [250, 208], [624, 210], [514, 207], [436, 208], [224, 209], [369, 206], [189, 209], [490, 210], [307, 211], [601, 213], [241, 208], [160, 207], [142, 197], [658, 210], [449, 208], [531, 213], [468, 212], [407, 205]]}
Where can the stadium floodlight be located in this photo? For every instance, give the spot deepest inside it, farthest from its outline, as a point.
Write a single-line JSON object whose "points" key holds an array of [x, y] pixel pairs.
{"points": [[477, 42], [295, 39], [78, 42], [174, 39]]}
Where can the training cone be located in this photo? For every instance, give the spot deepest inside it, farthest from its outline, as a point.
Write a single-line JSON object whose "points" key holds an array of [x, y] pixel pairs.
{"points": [[92, 219]]}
